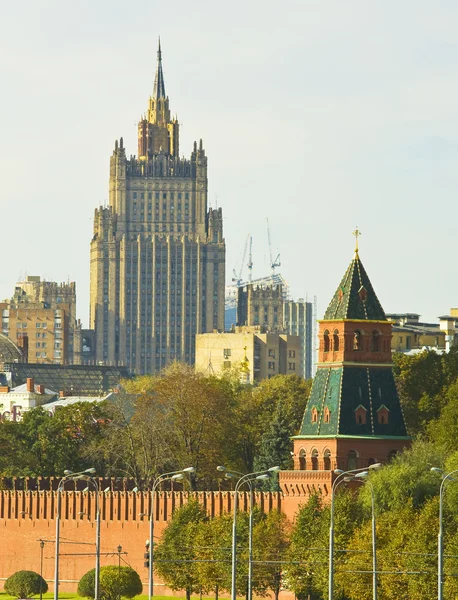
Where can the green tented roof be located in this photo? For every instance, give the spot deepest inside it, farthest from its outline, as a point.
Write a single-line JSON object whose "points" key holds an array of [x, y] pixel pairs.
{"points": [[355, 297], [342, 390]]}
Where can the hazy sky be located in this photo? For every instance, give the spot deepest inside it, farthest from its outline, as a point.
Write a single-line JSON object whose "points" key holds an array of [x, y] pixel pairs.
{"points": [[321, 115]]}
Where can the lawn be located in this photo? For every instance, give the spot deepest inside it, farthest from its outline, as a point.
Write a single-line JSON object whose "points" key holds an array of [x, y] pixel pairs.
{"points": [[69, 596]]}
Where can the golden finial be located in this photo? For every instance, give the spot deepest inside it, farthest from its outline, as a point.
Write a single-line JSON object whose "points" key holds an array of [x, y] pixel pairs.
{"points": [[356, 233]]}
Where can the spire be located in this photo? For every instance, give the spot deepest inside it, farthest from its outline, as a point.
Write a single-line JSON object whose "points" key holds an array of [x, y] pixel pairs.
{"points": [[159, 87], [355, 297]]}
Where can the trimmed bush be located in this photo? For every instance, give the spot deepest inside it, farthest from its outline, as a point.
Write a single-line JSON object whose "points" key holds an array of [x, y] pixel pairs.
{"points": [[24, 584], [114, 582]]}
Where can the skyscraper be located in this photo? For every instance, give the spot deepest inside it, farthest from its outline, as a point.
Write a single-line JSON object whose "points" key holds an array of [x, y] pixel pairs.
{"points": [[158, 252]]}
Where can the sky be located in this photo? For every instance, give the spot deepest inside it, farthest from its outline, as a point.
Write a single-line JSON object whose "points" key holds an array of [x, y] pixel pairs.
{"points": [[320, 115]]}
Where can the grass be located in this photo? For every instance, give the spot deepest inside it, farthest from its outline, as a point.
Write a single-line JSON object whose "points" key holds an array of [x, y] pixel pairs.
{"points": [[72, 596]]}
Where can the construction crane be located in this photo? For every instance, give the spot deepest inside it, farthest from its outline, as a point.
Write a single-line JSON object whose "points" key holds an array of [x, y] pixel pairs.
{"points": [[250, 261], [237, 279], [273, 263]]}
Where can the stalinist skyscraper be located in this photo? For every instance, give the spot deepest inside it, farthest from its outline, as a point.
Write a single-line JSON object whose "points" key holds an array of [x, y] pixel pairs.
{"points": [[158, 252]]}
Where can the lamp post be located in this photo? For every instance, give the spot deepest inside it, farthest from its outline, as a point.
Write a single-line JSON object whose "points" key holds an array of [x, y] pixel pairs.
{"points": [[174, 476], [244, 479], [446, 477], [340, 477], [70, 476], [42, 545], [119, 571]]}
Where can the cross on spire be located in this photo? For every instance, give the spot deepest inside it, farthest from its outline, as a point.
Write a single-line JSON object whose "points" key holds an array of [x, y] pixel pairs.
{"points": [[356, 233]]}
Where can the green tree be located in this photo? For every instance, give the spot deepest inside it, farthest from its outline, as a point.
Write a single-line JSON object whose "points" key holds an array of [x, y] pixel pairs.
{"points": [[177, 552], [214, 548], [270, 543]]}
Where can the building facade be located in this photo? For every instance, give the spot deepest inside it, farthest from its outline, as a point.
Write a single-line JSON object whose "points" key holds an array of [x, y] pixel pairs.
{"points": [[158, 252], [298, 320], [41, 319], [256, 354]]}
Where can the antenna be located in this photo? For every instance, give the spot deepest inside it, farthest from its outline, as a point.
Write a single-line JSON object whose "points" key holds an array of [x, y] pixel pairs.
{"points": [[273, 263]]}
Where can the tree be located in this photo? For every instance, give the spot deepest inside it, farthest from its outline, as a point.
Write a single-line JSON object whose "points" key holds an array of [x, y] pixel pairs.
{"points": [[214, 549], [270, 543], [115, 582], [177, 552], [275, 447], [307, 553], [24, 584]]}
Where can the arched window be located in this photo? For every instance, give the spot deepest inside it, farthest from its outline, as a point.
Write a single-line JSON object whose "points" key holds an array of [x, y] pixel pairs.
{"points": [[327, 415], [375, 345], [371, 461], [315, 460], [326, 341], [302, 460], [357, 342], [315, 415], [327, 460], [352, 458], [335, 340]]}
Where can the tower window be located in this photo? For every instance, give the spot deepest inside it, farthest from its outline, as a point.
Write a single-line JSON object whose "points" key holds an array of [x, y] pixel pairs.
{"points": [[315, 460], [361, 415], [375, 341], [383, 415], [335, 340], [315, 414], [327, 460], [326, 341], [327, 415], [302, 460], [357, 342]]}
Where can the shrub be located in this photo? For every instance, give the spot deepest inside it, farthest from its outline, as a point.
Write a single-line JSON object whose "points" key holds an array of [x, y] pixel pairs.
{"points": [[114, 582], [24, 584]]}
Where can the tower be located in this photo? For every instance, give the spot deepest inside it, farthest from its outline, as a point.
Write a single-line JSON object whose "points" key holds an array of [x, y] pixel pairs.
{"points": [[353, 417], [157, 253]]}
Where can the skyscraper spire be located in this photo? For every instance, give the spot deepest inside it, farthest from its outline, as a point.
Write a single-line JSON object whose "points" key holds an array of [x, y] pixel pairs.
{"points": [[159, 87]]}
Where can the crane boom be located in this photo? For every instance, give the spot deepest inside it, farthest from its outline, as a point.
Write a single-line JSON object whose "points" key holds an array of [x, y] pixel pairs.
{"points": [[273, 263], [238, 277]]}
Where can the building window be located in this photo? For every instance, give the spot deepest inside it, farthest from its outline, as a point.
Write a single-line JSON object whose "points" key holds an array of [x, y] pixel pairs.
{"points": [[326, 341], [38, 325], [272, 352], [315, 460], [292, 366], [327, 460], [335, 340], [272, 366], [38, 334], [352, 459], [227, 352], [357, 340], [361, 415], [327, 415], [302, 460], [315, 415], [292, 353], [227, 364], [376, 341], [383, 415]]}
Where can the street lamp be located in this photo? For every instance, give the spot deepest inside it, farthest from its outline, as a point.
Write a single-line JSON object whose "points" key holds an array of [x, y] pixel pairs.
{"points": [[340, 477], [174, 476], [42, 545], [119, 571], [446, 477], [244, 479], [70, 476]]}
